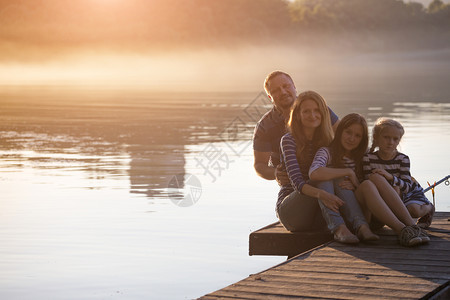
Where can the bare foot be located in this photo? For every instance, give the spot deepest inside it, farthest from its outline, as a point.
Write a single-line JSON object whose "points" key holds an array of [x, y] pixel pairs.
{"points": [[343, 235], [365, 234]]}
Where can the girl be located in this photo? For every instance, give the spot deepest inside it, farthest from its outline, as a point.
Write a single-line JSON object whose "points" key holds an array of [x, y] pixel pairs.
{"points": [[394, 167], [309, 128], [343, 160], [349, 144]]}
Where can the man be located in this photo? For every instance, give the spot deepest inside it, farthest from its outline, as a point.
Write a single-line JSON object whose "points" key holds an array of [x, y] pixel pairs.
{"points": [[280, 89]]}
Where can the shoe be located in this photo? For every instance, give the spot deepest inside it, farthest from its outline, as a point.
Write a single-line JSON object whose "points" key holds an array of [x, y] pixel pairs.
{"points": [[346, 239], [422, 234], [366, 235], [425, 221], [409, 237]]}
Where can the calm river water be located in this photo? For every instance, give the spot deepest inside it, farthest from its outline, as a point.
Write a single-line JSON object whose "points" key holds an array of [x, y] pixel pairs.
{"points": [[132, 194]]}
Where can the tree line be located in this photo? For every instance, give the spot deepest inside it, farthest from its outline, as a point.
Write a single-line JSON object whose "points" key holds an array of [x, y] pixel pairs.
{"points": [[175, 23], [369, 14]]}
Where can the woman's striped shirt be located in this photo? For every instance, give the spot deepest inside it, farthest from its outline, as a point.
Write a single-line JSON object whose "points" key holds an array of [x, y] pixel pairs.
{"points": [[296, 170]]}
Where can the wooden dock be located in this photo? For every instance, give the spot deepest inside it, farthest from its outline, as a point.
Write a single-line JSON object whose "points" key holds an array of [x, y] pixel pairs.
{"points": [[380, 270], [274, 239]]}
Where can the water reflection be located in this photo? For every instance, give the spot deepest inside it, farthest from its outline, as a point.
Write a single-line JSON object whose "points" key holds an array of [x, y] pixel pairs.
{"points": [[144, 139], [110, 134]]}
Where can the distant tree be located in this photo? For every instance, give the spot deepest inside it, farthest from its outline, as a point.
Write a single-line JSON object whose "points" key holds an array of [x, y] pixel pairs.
{"points": [[415, 9], [435, 6], [439, 16], [362, 14]]}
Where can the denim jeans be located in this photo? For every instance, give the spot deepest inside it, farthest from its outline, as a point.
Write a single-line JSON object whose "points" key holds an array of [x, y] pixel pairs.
{"points": [[298, 212], [350, 211]]}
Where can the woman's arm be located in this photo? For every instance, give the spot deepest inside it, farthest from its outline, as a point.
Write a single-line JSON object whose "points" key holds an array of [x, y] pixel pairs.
{"points": [[320, 172], [325, 173], [298, 182], [289, 150], [331, 201]]}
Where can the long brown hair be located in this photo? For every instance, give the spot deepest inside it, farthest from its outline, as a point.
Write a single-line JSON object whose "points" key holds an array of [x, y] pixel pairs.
{"points": [[322, 135], [338, 151]]}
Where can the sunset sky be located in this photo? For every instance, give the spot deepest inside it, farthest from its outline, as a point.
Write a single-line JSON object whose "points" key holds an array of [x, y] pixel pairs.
{"points": [[101, 41], [153, 43]]}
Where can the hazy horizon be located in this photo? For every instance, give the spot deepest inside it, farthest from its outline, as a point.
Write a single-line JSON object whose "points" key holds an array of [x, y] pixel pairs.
{"points": [[147, 45], [235, 70]]}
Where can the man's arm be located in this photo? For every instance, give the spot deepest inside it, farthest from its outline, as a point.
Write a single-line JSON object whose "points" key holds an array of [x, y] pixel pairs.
{"points": [[334, 118], [335, 125], [261, 165]]}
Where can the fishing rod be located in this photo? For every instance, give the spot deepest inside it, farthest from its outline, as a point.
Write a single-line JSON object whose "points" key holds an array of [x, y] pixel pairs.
{"points": [[431, 187]]}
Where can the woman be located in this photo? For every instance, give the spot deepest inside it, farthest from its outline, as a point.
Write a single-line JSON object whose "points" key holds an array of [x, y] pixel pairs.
{"points": [[309, 128]]}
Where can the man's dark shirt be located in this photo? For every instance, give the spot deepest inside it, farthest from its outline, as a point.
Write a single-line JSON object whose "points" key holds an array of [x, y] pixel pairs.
{"points": [[268, 133]]}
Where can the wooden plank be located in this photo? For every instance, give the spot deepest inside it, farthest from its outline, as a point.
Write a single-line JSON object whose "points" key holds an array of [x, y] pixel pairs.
{"points": [[404, 261], [312, 291], [442, 294], [350, 279], [274, 239], [368, 253], [331, 289], [381, 270]]}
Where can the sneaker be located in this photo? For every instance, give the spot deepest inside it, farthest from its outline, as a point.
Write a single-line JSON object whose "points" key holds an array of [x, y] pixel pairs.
{"points": [[409, 237], [422, 234], [425, 221]]}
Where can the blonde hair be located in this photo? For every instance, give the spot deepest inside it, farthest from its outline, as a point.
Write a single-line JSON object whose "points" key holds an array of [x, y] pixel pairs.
{"points": [[380, 125], [323, 135]]}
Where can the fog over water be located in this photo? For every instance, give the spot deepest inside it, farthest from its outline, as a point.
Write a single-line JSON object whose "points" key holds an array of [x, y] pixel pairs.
{"points": [[243, 69]]}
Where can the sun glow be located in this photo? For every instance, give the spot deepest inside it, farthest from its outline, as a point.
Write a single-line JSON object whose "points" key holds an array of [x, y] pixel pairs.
{"points": [[182, 70]]}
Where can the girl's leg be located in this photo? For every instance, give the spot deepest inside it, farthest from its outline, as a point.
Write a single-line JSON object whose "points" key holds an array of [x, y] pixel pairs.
{"points": [[414, 210], [419, 207], [353, 214], [409, 235], [362, 204], [425, 221], [351, 209], [336, 223], [367, 193], [417, 210], [392, 199], [333, 219]]}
